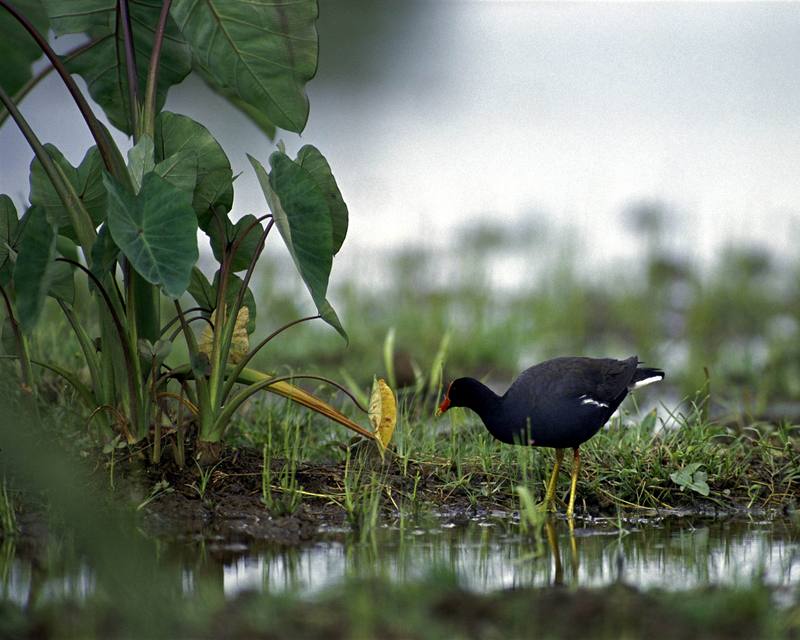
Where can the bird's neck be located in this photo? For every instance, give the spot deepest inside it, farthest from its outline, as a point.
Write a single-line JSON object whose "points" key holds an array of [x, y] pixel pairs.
{"points": [[487, 404]]}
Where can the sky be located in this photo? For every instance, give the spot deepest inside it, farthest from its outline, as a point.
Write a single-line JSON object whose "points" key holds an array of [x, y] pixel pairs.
{"points": [[553, 115]]}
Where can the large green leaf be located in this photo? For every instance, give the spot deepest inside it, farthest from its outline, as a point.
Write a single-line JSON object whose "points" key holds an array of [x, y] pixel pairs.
{"points": [[103, 64], [87, 180], [303, 218], [213, 191], [156, 229], [8, 227], [33, 271], [261, 51], [180, 170], [318, 168], [104, 252], [18, 50], [78, 16], [248, 244], [141, 160], [255, 113], [62, 283]]}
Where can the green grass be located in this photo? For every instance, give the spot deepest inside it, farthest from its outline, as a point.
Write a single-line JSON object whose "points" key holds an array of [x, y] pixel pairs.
{"points": [[453, 460]]}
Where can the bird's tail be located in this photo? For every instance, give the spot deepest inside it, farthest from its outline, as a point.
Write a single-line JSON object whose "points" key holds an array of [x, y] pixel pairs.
{"points": [[645, 376]]}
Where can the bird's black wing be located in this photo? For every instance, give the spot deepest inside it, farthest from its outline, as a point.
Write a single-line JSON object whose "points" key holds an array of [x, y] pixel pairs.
{"points": [[604, 380]]}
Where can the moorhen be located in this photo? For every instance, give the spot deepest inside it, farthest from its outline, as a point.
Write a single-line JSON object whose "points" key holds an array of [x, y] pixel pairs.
{"points": [[558, 403]]}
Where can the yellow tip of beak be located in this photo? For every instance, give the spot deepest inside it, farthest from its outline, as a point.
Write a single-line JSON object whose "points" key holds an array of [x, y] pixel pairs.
{"points": [[438, 412]]}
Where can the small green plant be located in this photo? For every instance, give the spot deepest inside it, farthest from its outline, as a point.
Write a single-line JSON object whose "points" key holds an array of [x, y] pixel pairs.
{"points": [[286, 497], [205, 477], [362, 499], [158, 489], [128, 226], [690, 477]]}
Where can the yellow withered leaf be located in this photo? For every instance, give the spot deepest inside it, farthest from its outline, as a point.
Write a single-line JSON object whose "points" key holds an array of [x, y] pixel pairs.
{"points": [[240, 343], [382, 411]]}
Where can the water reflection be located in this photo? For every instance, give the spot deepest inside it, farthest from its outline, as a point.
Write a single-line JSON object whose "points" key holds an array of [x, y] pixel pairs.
{"points": [[668, 555], [484, 554]]}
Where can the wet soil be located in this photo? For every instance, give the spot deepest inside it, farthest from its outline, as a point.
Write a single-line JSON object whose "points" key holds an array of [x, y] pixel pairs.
{"points": [[232, 510]]}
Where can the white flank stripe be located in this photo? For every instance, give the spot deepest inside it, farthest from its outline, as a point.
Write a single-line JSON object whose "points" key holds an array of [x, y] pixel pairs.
{"points": [[646, 381], [587, 400]]}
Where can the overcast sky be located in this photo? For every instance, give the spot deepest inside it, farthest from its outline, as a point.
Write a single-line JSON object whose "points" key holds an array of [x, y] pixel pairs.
{"points": [[444, 112]]}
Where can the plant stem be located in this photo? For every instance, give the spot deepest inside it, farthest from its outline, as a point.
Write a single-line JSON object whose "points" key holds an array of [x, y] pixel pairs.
{"points": [[256, 254], [166, 327], [241, 366], [108, 150], [128, 353], [220, 351], [149, 111], [86, 346], [131, 71], [22, 346]]}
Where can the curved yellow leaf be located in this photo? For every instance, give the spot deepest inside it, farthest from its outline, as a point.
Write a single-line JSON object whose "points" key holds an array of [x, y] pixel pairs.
{"points": [[382, 411]]}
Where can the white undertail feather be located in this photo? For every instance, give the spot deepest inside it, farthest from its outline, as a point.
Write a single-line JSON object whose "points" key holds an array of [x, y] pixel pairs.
{"points": [[646, 381], [587, 400]]}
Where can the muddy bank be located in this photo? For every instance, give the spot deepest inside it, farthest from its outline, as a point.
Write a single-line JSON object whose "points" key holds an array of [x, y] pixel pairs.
{"points": [[231, 507], [225, 503]]}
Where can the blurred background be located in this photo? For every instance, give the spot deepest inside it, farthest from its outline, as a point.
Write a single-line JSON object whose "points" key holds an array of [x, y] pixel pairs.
{"points": [[536, 179]]}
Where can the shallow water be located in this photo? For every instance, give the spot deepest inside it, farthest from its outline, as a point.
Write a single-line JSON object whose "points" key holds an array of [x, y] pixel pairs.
{"points": [[490, 553], [484, 553]]}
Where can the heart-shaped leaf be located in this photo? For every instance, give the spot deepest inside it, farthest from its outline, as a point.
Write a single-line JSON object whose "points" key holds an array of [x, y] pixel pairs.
{"points": [[303, 218], [86, 180], [102, 64], [318, 168], [180, 170], [261, 52], [213, 191], [246, 232], [62, 283], [156, 230], [141, 160]]}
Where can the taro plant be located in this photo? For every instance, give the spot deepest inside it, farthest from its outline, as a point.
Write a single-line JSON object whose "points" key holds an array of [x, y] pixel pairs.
{"points": [[129, 226]]}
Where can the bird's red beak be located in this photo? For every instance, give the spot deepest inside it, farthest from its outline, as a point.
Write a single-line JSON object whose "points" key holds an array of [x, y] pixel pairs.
{"points": [[444, 406]]}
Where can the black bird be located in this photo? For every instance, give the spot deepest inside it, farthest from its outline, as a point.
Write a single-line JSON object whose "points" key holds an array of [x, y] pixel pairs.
{"points": [[558, 403]]}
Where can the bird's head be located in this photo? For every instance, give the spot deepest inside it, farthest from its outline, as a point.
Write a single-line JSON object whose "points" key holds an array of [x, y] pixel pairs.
{"points": [[456, 395]]}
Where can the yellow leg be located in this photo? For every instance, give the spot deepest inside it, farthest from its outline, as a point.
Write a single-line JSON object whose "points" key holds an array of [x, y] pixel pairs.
{"points": [[551, 486], [576, 465]]}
